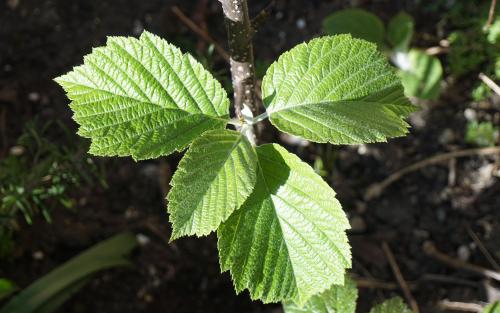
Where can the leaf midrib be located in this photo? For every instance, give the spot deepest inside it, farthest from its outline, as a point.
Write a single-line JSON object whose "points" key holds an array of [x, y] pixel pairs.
{"points": [[289, 107], [210, 182], [218, 117]]}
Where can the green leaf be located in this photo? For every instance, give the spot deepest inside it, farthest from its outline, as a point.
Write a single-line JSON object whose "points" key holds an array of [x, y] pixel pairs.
{"points": [[482, 134], [288, 240], [400, 31], [143, 97], [214, 178], [6, 288], [338, 299], [336, 89], [359, 23], [60, 298], [492, 308], [422, 75], [50, 291], [394, 305]]}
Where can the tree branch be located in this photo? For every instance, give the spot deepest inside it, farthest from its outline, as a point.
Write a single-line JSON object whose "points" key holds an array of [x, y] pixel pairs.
{"points": [[239, 32], [200, 32], [491, 14]]}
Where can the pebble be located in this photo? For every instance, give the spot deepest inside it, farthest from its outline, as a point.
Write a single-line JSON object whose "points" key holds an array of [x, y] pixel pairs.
{"points": [[441, 215], [470, 114], [362, 149], [137, 28], [13, 4], [33, 96], [17, 150], [358, 224], [463, 253], [446, 137], [142, 239], [301, 23], [38, 255]]}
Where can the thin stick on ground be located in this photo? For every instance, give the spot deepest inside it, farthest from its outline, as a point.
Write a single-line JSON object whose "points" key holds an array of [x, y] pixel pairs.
{"points": [[200, 32], [369, 283], [376, 189], [431, 250], [483, 249], [460, 306], [436, 278], [399, 277], [490, 83], [263, 15], [491, 14]]}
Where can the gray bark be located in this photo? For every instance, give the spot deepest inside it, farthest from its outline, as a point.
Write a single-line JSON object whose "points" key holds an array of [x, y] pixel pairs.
{"points": [[239, 32]]}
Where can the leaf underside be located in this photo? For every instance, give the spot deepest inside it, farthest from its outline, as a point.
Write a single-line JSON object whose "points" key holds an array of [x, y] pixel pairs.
{"points": [[394, 305], [338, 299], [288, 240], [336, 89], [143, 98], [213, 179]]}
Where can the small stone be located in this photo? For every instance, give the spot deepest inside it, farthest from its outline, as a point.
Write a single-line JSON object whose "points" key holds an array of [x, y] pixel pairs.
{"points": [[421, 234], [362, 149], [131, 213], [358, 224], [33, 96], [142, 239], [12, 4], [463, 253], [152, 271], [446, 137], [301, 23], [17, 150], [38, 255], [137, 28], [148, 298], [470, 114], [441, 215], [360, 207]]}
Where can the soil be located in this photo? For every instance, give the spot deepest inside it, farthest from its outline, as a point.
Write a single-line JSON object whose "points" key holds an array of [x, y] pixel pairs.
{"points": [[41, 39]]}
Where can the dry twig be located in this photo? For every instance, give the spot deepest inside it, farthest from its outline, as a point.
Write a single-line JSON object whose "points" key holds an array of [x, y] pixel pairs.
{"points": [[436, 50], [370, 283], [262, 16], [460, 306], [399, 277], [448, 280], [490, 83], [376, 189], [491, 14], [200, 32], [431, 250], [483, 249]]}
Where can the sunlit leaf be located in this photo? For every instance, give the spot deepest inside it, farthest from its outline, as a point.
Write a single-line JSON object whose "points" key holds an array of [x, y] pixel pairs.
{"points": [[338, 299], [288, 240], [214, 178], [336, 89], [143, 98]]}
